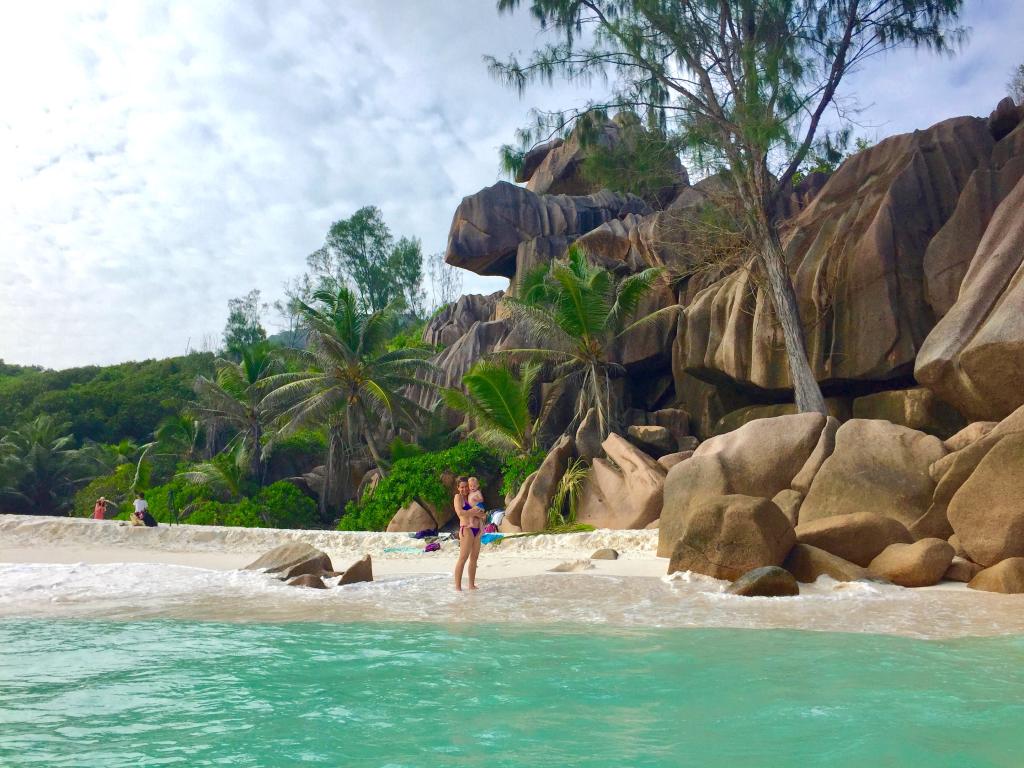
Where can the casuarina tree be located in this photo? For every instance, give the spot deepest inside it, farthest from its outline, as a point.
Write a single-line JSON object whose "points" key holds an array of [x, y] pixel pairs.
{"points": [[361, 252], [745, 83]]}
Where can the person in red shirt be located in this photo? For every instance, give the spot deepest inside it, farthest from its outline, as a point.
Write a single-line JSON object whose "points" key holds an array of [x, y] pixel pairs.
{"points": [[99, 512]]}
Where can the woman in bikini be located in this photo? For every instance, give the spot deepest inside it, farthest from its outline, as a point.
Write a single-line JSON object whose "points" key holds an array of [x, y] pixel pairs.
{"points": [[471, 521]]}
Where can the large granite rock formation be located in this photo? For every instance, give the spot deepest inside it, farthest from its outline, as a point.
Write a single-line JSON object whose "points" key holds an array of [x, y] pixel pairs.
{"points": [[858, 537], [727, 536], [760, 459], [876, 466], [974, 357], [857, 259], [556, 167], [490, 226], [625, 494], [920, 564], [455, 320], [978, 493]]}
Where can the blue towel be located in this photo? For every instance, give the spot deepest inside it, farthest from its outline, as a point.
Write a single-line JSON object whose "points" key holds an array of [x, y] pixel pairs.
{"points": [[487, 538]]}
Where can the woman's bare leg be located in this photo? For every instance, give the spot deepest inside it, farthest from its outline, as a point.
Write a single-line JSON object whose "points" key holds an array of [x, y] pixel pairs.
{"points": [[474, 555], [465, 548]]}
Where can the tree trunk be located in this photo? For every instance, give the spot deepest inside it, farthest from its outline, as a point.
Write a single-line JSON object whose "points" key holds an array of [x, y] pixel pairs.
{"points": [[805, 387], [329, 471]]}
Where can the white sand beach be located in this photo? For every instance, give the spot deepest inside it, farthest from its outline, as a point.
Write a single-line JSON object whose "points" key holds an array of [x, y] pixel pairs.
{"points": [[77, 568]]}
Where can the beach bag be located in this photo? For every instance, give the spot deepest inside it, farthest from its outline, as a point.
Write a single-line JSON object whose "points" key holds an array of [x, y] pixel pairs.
{"points": [[490, 528], [432, 546]]}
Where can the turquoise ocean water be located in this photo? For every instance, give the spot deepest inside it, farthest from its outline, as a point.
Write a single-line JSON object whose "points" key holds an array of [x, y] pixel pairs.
{"points": [[100, 693]]}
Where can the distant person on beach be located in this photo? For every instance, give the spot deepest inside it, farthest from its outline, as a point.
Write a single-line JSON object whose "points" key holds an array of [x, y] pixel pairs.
{"points": [[471, 522], [99, 510], [141, 515]]}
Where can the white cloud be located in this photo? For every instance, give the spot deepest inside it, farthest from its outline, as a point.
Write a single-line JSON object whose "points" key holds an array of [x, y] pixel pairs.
{"points": [[158, 158]]}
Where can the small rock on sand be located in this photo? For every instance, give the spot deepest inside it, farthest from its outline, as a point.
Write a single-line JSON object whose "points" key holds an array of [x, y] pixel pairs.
{"points": [[361, 570], [770, 581], [572, 566], [307, 580], [605, 554]]}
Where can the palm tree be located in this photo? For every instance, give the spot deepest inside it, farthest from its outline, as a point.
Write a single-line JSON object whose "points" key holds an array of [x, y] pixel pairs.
{"points": [[179, 435], [574, 312], [350, 382], [236, 401], [106, 457], [226, 478], [499, 404], [42, 467]]}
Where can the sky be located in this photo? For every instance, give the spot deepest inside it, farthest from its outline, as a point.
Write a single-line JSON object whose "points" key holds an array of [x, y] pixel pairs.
{"points": [[159, 157]]}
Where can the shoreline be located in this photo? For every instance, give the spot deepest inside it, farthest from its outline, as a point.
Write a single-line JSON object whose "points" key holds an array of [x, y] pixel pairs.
{"points": [[60, 568], [30, 539]]}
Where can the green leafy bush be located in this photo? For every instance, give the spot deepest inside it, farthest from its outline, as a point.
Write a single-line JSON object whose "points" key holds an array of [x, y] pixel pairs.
{"points": [[279, 505], [175, 497], [517, 468], [305, 442], [399, 449], [416, 477]]}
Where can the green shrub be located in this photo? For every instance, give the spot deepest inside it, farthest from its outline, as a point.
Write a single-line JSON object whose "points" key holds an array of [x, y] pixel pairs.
{"points": [[179, 491], [305, 442], [399, 449], [416, 477], [517, 468], [285, 506], [279, 505]]}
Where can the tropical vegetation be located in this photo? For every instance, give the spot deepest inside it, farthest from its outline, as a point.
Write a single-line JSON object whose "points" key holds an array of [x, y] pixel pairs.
{"points": [[574, 312]]}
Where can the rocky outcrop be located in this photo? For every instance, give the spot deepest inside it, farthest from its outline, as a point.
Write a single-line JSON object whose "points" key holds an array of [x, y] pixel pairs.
{"points": [[452, 363], [1006, 576], [623, 492], [534, 514], [876, 466], [657, 441], [969, 434], [977, 493], [588, 437], [917, 408], [961, 570], [534, 157], [974, 357], [808, 564], [291, 559], [760, 459], [770, 581], [672, 459], [789, 502], [489, 226], [858, 537], [920, 564], [556, 168], [361, 570], [987, 511], [411, 518], [307, 580], [455, 320], [727, 536], [857, 263]]}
